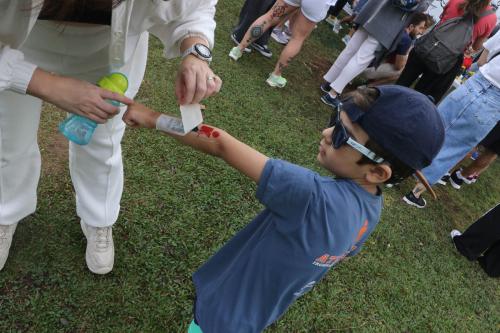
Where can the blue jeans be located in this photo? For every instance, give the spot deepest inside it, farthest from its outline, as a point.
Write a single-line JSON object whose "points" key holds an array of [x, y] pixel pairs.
{"points": [[469, 113]]}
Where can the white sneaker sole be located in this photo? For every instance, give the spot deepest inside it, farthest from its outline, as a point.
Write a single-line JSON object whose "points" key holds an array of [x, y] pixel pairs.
{"points": [[275, 85], [411, 203], [235, 58], [101, 270], [454, 185]]}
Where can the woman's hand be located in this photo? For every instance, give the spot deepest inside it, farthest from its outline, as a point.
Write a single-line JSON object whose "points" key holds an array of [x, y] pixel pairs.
{"points": [[75, 96], [195, 81]]}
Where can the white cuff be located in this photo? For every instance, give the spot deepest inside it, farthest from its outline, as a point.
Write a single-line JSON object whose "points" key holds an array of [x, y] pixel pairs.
{"points": [[21, 76]]}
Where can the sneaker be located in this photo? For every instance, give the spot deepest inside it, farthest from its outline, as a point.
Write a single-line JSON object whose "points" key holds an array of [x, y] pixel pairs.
{"points": [[331, 20], [325, 87], [100, 253], [444, 179], [337, 27], [6, 233], [235, 53], [412, 200], [455, 181], [331, 101], [233, 38], [276, 81], [346, 39], [262, 49], [454, 233], [280, 36]]}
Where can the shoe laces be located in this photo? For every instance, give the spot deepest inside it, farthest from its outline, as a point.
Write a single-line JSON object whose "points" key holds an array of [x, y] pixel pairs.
{"points": [[103, 238]]}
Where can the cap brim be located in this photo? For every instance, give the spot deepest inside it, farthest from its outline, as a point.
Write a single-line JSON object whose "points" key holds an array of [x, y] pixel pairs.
{"points": [[421, 178]]}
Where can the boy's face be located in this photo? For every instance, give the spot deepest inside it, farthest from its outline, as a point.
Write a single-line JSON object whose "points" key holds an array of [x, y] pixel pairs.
{"points": [[342, 161]]}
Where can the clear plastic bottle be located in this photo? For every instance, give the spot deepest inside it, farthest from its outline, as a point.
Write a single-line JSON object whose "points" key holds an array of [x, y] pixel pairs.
{"points": [[79, 129]]}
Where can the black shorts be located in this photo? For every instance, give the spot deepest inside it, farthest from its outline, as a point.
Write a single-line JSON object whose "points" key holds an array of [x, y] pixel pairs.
{"points": [[492, 140]]}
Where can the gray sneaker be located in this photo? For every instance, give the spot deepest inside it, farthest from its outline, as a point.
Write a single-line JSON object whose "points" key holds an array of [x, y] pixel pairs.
{"points": [[6, 233], [100, 253]]}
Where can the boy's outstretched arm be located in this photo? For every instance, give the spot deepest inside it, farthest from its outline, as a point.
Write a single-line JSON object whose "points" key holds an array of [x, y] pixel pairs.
{"points": [[207, 139]]}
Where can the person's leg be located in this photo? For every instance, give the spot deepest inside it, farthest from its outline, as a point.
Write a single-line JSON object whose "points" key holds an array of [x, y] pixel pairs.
{"points": [[252, 10], [437, 85], [334, 11], [480, 236], [383, 71], [97, 171], [490, 261], [485, 159], [356, 64], [301, 29], [266, 21], [413, 68], [468, 114], [347, 53], [19, 164]]}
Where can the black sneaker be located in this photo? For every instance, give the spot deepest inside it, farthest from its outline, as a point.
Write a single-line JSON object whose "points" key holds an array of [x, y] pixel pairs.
{"points": [[262, 49], [325, 87], [444, 179], [233, 38], [412, 200], [455, 181], [331, 101]]}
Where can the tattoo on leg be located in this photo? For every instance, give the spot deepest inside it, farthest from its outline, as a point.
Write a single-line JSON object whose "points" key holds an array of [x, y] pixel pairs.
{"points": [[281, 66], [278, 11], [256, 31]]}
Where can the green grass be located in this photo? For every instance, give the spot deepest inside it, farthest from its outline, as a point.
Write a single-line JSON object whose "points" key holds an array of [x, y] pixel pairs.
{"points": [[180, 206]]}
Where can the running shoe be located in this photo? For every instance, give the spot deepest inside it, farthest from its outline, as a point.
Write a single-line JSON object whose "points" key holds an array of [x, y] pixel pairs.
{"points": [[276, 81], [235, 53], [233, 38]]}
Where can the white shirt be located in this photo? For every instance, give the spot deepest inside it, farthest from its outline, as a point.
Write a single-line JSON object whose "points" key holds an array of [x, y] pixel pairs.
{"points": [[491, 70], [170, 21]]}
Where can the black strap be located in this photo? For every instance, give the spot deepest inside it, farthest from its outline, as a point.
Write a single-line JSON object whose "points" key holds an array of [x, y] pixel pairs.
{"points": [[494, 56]]}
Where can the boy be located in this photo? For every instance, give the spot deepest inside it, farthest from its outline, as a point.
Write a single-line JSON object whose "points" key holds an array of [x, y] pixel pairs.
{"points": [[310, 222]]}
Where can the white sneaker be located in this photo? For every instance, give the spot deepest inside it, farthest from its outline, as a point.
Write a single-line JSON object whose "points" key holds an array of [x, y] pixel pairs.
{"points": [[6, 233], [337, 27], [346, 39], [454, 233], [100, 253]]}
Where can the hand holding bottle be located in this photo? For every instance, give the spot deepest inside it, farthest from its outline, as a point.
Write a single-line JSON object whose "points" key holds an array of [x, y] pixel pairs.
{"points": [[76, 96]]}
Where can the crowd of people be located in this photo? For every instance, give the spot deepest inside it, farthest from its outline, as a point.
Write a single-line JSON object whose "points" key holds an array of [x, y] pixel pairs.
{"points": [[379, 134]]}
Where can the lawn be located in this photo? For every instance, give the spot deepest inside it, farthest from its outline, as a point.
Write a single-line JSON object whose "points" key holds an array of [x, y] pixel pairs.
{"points": [[180, 206]]}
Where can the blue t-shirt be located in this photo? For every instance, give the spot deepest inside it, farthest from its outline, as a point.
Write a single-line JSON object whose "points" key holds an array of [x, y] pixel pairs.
{"points": [[310, 224], [402, 48]]}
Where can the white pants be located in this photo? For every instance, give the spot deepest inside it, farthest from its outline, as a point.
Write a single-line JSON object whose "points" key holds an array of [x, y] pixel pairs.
{"points": [[356, 57], [96, 169], [383, 71]]}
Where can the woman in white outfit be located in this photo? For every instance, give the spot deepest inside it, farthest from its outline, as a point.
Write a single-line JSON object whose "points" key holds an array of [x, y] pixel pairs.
{"points": [[54, 51]]}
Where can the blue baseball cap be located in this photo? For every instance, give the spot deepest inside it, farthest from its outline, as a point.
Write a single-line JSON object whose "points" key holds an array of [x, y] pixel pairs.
{"points": [[403, 122]]}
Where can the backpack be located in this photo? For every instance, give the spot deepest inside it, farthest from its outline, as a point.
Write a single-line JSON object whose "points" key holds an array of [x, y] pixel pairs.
{"points": [[406, 5], [440, 48]]}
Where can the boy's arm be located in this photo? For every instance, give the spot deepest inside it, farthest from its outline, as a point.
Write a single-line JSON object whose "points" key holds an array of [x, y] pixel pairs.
{"points": [[207, 139]]}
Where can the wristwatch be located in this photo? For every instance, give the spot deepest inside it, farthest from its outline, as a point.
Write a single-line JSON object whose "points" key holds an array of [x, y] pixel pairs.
{"points": [[200, 51]]}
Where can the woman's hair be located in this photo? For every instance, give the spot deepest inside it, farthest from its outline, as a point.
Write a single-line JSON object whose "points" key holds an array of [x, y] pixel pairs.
{"points": [[474, 7], [364, 98], [59, 10]]}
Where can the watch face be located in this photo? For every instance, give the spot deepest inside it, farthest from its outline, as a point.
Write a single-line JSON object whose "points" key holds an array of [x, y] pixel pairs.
{"points": [[203, 51]]}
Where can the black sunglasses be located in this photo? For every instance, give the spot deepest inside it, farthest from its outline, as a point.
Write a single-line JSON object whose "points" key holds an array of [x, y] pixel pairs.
{"points": [[341, 136]]}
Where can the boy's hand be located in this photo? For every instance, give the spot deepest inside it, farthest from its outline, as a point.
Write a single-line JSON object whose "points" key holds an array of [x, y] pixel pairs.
{"points": [[138, 115]]}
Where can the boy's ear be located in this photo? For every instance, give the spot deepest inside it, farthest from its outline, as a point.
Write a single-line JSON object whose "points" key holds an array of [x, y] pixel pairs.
{"points": [[378, 173]]}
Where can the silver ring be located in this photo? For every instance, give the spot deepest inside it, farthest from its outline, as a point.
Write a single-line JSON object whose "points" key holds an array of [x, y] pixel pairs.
{"points": [[210, 78]]}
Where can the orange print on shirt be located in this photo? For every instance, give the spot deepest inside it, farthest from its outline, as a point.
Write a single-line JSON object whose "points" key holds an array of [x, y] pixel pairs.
{"points": [[362, 231]]}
